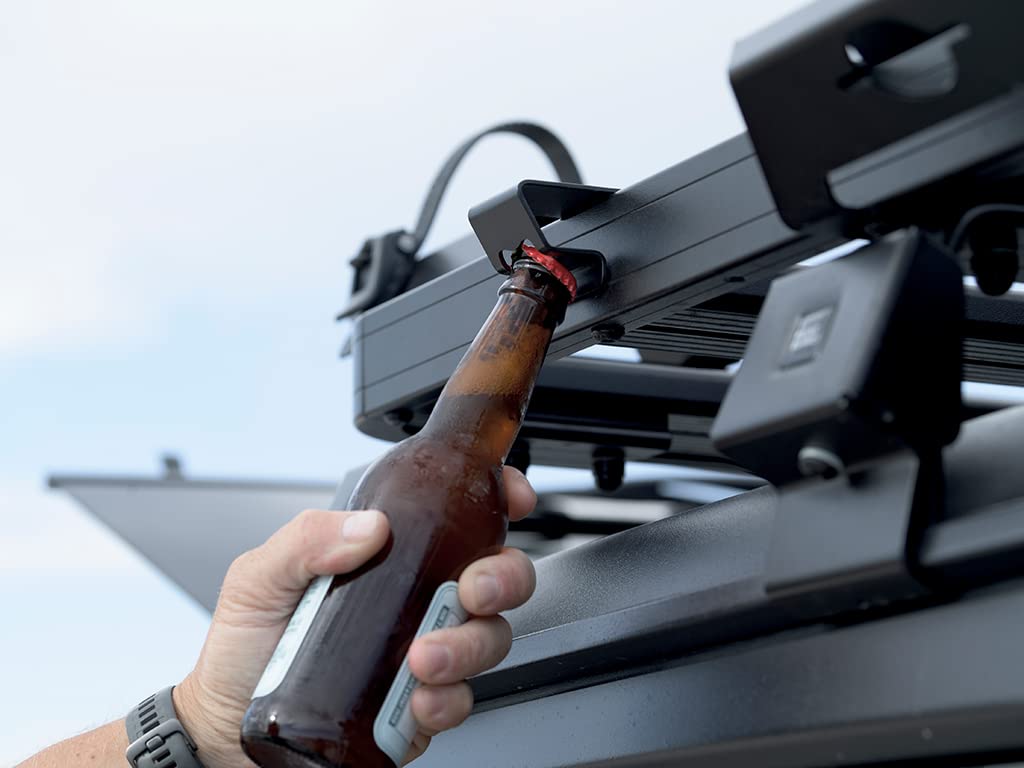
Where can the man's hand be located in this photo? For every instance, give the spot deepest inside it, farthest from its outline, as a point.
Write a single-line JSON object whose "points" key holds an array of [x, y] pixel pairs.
{"points": [[263, 586]]}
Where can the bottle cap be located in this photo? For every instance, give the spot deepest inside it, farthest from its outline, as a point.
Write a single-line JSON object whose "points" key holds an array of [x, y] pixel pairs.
{"points": [[554, 266]]}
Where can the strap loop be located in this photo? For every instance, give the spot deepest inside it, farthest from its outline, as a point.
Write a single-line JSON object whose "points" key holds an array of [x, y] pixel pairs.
{"points": [[552, 147], [385, 263]]}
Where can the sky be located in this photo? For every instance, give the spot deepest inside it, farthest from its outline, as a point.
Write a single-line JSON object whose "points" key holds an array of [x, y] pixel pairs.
{"points": [[181, 188]]}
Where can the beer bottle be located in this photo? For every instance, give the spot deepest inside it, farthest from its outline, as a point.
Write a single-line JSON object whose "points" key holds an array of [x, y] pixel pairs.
{"points": [[337, 690]]}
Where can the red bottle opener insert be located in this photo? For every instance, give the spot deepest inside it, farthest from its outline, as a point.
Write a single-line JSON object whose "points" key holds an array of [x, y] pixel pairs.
{"points": [[555, 267]]}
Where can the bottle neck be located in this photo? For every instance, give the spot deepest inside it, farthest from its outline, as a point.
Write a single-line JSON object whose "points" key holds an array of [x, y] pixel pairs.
{"points": [[483, 404]]}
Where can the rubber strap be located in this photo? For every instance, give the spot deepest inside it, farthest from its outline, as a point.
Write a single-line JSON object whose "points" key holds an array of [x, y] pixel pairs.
{"points": [[156, 738], [546, 141], [555, 267]]}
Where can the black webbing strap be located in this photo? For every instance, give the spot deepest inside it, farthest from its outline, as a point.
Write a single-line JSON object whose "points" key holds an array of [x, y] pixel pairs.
{"points": [[546, 141]]}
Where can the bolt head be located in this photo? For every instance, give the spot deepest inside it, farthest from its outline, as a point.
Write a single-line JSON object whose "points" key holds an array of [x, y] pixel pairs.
{"points": [[606, 333]]}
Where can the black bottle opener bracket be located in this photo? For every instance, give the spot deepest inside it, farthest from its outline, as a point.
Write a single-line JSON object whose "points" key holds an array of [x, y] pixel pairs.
{"points": [[505, 223]]}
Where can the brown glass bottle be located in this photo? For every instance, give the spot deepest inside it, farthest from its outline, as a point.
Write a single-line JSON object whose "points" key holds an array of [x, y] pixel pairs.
{"points": [[442, 490]]}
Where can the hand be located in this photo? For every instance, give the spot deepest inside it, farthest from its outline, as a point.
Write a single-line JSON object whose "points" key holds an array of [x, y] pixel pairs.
{"points": [[263, 586]]}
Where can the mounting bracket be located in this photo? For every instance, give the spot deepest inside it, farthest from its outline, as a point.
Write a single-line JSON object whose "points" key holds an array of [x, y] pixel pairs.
{"points": [[516, 217], [849, 390]]}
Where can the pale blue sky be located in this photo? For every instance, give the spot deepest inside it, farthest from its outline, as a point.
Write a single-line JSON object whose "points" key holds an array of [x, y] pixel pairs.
{"points": [[182, 185]]}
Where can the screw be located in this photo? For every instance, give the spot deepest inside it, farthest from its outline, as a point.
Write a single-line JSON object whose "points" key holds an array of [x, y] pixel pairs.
{"points": [[813, 461], [406, 243], [609, 465]]}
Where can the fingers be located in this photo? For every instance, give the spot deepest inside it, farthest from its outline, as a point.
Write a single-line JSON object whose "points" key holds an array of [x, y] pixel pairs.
{"points": [[357, 537], [521, 496], [438, 708], [497, 583], [317, 542], [451, 655], [442, 660]]}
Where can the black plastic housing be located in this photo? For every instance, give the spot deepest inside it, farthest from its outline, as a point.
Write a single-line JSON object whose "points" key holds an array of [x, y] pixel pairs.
{"points": [[882, 113], [858, 357]]}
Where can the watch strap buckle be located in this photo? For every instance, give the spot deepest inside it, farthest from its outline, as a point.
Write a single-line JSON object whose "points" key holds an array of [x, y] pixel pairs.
{"points": [[157, 738]]}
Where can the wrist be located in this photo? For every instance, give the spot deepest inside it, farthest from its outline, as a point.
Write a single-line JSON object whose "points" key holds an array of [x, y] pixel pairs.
{"points": [[216, 739]]}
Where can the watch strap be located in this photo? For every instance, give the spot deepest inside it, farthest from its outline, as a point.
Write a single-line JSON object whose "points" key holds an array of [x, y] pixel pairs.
{"points": [[156, 738]]}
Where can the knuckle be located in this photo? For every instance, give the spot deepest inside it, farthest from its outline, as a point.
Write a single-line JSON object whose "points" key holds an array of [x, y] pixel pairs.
{"points": [[309, 534], [442, 707], [240, 566], [477, 644], [307, 522], [236, 593]]}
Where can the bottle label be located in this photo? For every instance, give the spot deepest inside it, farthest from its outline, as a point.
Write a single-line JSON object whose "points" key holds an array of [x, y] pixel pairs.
{"points": [[394, 728], [293, 636]]}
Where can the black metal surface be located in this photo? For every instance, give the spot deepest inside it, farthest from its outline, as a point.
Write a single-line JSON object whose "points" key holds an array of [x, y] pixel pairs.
{"points": [[660, 645], [651, 412], [877, 113], [657, 591], [721, 328], [851, 543], [686, 274], [655, 413], [849, 390], [669, 242], [873, 633], [857, 357], [921, 685], [661, 580], [506, 222], [380, 270]]}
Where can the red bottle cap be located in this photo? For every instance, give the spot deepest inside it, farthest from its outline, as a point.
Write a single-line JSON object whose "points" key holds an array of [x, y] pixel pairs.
{"points": [[555, 267]]}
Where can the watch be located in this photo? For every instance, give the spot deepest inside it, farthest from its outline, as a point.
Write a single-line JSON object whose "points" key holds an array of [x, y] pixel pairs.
{"points": [[157, 739]]}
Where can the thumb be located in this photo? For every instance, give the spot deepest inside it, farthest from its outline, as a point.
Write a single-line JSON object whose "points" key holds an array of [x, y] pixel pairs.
{"points": [[263, 585]]}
